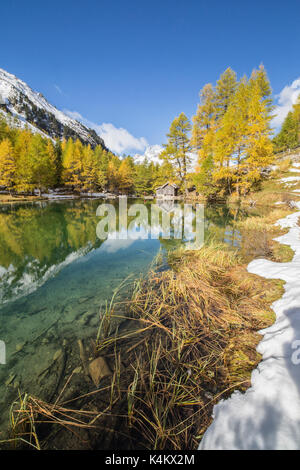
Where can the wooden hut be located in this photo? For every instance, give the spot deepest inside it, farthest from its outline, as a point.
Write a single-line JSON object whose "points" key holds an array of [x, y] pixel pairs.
{"points": [[167, 190]]}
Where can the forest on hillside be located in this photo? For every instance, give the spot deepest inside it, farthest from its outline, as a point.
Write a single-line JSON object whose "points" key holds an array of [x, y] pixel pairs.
{"points": [[230, 136], [29, 161]]}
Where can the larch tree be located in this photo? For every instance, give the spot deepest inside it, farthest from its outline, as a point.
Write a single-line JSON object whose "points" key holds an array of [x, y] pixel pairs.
{"points": [[289, 135], [112, 176], [7, 165], [225, 89], [260, 149], [204, 120], [260, 78], [89, 169], [41, 164], [244, 136], [202, 141], [178, 148], [125, 177], [73, 164]]}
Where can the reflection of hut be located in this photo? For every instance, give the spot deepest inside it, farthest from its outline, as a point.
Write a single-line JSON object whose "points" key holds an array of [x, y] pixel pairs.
{"points": [[166, 206], [167, 190]]}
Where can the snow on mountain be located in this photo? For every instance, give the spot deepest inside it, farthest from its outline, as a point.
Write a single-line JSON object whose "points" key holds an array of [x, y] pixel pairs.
{"points": [[17, 99], [20, 123], [151, 155]]}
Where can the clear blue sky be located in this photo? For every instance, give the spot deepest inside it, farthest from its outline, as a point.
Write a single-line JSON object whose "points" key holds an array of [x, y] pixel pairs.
{"points": [[137, 64]]}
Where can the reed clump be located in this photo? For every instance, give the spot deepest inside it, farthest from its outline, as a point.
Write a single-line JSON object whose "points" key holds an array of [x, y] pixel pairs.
{"points": [[203, 317]]}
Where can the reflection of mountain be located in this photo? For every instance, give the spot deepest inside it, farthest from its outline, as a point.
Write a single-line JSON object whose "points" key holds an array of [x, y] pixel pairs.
{"points": [[34, 275], [36, 242]]}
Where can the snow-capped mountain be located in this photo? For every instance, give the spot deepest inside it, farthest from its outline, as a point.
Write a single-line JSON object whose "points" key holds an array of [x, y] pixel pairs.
{"points": [[28, 107], [151, 154]]}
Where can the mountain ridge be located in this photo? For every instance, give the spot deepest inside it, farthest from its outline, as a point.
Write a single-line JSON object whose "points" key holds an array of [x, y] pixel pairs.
{"points": [[20, 102], [151, 155]]}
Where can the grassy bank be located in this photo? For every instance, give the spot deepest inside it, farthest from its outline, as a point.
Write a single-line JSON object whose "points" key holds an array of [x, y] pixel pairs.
{"points": [[6, 198]]}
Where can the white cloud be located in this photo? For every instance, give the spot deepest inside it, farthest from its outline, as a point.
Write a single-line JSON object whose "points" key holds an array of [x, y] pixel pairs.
{"points": [[117, 139], [58, 89], [285, 99], [74, 115]]}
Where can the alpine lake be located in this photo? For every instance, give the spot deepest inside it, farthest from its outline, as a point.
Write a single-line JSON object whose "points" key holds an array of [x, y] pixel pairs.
{"points": [[56, 277]]}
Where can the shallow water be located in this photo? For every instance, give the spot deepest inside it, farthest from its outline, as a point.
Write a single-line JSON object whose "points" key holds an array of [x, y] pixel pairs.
{"points": [[55, 277]]}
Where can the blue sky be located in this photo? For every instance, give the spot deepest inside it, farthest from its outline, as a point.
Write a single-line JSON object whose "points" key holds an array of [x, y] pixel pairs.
{"points": [[135, 64]]}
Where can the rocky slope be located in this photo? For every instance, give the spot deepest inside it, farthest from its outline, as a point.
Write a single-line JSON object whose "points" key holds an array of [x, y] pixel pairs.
{"points": [[25, 106]]}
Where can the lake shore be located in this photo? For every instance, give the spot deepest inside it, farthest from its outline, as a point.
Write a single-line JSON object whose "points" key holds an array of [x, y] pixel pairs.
{"points": [[7, 198], [187, 341], [267, 415]]}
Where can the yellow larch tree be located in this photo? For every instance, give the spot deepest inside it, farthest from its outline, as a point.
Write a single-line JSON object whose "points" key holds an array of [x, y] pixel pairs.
{"points": [[7, 165]]}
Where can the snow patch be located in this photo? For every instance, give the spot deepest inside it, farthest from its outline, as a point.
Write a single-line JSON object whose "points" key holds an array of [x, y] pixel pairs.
{"points": [[290, 178], [267, 416]]}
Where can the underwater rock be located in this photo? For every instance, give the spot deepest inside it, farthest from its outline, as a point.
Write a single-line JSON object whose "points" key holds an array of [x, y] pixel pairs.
{"points": [[98, 369]]}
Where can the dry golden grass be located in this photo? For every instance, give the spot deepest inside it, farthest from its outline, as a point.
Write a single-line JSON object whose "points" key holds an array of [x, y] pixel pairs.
{"points": [[204, 317], [284, 165], [258, 235]]}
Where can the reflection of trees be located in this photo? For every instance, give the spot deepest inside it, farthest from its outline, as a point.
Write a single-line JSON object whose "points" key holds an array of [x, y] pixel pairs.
{"points": [[46, 233], [220, 223], [34, 238]]}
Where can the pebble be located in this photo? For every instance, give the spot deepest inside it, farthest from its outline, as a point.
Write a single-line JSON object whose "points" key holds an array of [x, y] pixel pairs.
{"points": [[98, 369]]}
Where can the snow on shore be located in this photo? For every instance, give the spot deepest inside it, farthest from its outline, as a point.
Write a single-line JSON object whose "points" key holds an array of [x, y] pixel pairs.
{"points": [[290, 178], [267, 416]]}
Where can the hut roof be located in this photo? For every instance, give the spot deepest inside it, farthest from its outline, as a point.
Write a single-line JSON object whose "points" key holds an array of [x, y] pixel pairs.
{"points": [[168, 184]]}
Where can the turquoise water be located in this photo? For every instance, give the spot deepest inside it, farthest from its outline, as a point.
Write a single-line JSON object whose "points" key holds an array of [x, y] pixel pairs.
{"points": [[55, 277]]}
